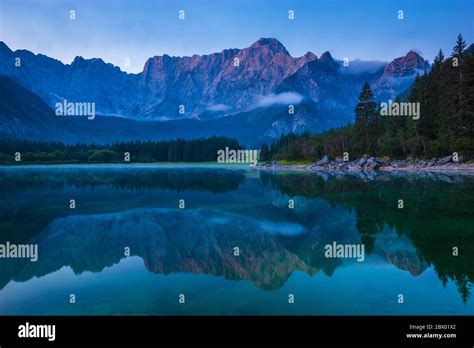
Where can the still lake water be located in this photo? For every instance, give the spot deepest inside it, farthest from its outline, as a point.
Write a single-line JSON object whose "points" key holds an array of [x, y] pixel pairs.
{"points": [[191, 251]]}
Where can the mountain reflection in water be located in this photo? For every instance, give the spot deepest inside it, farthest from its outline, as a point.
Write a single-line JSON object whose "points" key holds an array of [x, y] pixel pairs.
{"points": [[120, 208]]}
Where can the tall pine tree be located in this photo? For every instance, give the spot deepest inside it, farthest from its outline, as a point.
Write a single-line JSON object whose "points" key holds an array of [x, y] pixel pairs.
{"points": [[458, 49], [366, 122]]}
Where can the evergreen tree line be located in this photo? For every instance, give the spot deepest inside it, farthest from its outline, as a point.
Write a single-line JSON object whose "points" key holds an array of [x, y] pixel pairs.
{"points": [[197, 150], [446, 122]]}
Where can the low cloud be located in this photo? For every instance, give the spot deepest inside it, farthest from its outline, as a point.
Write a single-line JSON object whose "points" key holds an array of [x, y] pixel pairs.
{"points": [[218, 107], [361, 66], [279, 99]]}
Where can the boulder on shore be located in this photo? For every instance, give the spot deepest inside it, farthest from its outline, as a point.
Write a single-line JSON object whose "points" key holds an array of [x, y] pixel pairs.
{"points": [[323, 161], [444, 160], [362, 161], [371, 164], [385, 161]]}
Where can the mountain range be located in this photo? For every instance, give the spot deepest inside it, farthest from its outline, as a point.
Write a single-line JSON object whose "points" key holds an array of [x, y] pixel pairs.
{"points": [[244, 93]]}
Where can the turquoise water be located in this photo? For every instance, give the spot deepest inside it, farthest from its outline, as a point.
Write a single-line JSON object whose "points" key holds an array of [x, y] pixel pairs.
{"points": [[191, 251]]}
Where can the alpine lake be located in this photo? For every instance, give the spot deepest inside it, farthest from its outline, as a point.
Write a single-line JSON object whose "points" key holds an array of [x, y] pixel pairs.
{"points": [[230, 240]]}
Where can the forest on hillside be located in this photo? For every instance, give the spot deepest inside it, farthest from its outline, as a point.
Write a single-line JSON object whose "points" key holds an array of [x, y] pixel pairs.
{"points": [[446, 124]]}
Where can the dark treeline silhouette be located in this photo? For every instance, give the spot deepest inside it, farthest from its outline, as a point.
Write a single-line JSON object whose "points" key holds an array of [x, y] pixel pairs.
{"points": [[445, 125], [197, 150], [182, 179]]}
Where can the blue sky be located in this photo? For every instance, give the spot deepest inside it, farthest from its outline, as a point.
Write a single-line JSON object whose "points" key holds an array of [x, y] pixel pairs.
{"points": [[138, 29]]}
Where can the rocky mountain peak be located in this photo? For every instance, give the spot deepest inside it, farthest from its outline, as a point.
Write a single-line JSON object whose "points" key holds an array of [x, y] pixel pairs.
{"points": [[271, 44], [407, 65], [79, 61], [326, 62], [210, 82], [326, 57], [310, 56], [4, 48]]}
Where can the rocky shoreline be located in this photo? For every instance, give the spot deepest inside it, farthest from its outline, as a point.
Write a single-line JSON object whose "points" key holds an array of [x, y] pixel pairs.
{"points": [[367, 163]]}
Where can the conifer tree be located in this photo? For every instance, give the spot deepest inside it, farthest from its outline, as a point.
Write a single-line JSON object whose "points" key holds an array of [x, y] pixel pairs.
{"points": [[264, 153], [365, 120], [458, 49]]}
